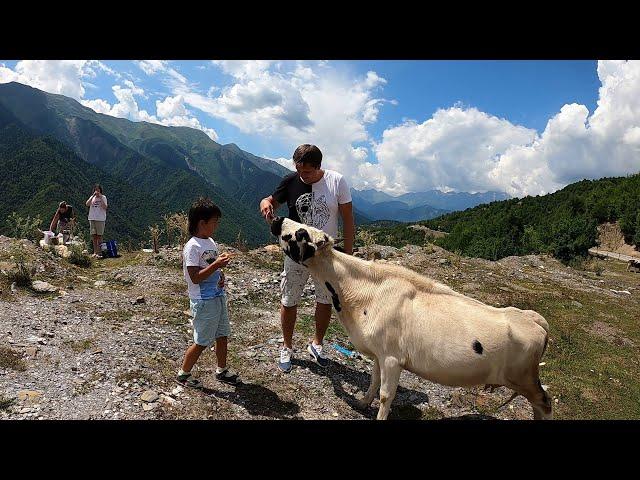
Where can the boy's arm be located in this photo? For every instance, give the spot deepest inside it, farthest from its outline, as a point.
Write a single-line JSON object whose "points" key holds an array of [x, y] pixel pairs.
{"points": [[104, 201], [88, 202], [197, 274]]}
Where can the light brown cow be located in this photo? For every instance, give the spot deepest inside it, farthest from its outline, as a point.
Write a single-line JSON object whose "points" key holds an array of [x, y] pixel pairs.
{"points": [[403, 320]]}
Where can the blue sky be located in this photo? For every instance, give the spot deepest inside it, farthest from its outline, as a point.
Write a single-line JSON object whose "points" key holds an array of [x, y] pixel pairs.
{"points": [[525, 127]]}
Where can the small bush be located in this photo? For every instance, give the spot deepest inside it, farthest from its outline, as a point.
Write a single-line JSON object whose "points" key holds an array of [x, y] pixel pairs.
{"points": [[177, 226], [241, 243], [24, 227], [77, 257], [21, 274], [366, 240], [5, 402], [79, 345], [577, 263], [154, 232]]}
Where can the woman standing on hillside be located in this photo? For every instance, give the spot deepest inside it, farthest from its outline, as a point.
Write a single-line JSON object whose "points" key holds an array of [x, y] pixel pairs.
{"points": [[97, 204]]}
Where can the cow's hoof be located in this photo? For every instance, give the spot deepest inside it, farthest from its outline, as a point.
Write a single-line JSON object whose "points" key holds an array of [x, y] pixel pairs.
{"points": [[362, 403]]}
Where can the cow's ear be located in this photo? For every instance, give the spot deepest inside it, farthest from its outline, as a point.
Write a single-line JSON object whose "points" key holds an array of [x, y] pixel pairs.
{"points": [[322, 243]]}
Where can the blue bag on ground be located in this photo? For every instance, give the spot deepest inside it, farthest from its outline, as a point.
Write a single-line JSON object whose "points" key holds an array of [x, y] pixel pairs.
{"points": [[109, 249]]}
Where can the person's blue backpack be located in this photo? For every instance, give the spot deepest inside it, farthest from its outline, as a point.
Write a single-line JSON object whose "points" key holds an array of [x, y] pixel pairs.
{"points": [[109, 249]]}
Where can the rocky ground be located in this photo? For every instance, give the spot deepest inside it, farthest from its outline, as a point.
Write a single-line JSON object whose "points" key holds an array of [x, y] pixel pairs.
{"points": [[106, 341]]}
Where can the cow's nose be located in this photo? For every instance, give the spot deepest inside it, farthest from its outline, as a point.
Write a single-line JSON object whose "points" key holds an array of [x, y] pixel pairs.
{"points": [[276, 226]]}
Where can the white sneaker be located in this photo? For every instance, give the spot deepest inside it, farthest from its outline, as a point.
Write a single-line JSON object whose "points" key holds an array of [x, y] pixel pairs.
{"points": [[316, 353], [285, 359]]}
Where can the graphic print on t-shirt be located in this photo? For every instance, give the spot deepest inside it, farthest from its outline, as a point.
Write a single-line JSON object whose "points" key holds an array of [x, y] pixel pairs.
{"points": [[210, 256], [313, 210], [209, 286]]}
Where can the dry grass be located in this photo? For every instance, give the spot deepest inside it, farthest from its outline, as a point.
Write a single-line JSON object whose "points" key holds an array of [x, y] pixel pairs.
{"points": [[6, 402], [80, 345], [9, 358]]}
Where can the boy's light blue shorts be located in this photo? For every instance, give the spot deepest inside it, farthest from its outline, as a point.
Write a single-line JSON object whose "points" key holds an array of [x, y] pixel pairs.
{"points": [[210, 320]]}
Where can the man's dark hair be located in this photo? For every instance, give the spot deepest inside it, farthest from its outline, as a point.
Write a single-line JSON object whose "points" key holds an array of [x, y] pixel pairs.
{"points": [[308, 154], [202, 209]]}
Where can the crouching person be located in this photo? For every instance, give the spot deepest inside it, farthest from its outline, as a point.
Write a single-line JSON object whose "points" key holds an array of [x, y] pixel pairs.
{"points": [[205, 281]]}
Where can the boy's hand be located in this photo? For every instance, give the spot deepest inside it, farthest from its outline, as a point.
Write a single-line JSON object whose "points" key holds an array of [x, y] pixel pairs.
{"points": [[221, 281], [222, 260]]}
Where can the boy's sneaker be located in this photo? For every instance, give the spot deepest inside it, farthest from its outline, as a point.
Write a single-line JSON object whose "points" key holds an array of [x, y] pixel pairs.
{"points": [[285, 359], [227, 376], [316, 353], [188, 380]]}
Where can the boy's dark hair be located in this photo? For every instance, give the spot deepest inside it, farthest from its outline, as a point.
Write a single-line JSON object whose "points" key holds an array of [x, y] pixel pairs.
{"points": [[308, 154], [98, 187], [202, 209], [62, 204]]}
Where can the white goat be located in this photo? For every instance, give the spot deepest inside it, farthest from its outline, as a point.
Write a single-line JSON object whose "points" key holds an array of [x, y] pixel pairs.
{"points": [[403, 320]]}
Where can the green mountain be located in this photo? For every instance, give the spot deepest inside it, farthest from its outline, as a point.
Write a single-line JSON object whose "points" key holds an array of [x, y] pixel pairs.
{"points": [[169, 166], [562, 223], [101, 139], [41, 171]]}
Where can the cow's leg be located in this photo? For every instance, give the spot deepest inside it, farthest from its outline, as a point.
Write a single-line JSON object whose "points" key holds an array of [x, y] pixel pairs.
{"points": [[540, 402], [538, 398], [373, 387], [390, 371]]}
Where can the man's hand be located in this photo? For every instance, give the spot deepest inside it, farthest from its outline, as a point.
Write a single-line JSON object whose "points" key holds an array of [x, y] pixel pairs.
{"points": [[266, 209]]}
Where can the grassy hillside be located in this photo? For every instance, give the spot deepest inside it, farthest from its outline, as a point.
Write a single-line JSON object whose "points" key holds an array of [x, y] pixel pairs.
{"points": [[41, 171], [562, 224]]}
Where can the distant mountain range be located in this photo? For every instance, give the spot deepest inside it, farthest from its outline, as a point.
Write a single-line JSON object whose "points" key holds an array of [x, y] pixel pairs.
{"points": [[416, 206]]}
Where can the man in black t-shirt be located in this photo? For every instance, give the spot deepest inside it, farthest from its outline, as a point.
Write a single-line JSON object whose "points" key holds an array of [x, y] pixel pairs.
{"points": [[315, 197]]}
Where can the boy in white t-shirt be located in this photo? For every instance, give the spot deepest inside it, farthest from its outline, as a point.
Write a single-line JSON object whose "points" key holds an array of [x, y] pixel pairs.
{"points": [[205, 281]]}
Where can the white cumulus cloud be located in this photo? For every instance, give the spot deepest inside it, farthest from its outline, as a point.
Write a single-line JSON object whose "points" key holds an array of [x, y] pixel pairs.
{"points": [[55, 76], [171, 111], [295, 103], [468, 150]]}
